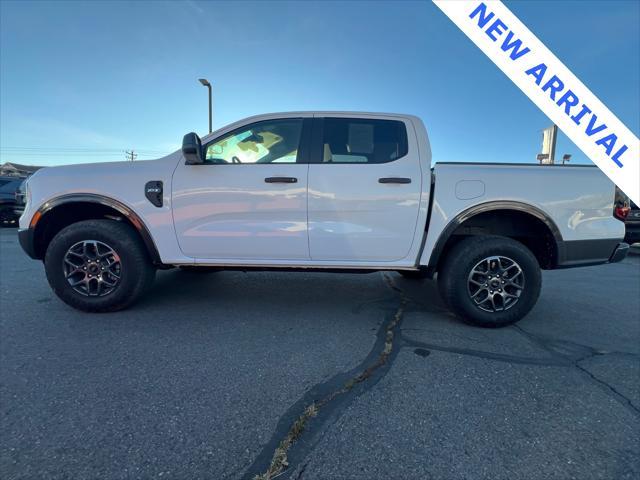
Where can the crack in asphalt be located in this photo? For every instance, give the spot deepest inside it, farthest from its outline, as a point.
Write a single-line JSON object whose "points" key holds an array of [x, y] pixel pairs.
{"points": [[574, 353], [287, 444], [619, 397], [486, 355], [296, 434]]}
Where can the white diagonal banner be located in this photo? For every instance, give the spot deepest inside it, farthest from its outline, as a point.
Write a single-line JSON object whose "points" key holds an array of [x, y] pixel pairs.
{"points": [[552, 87]]}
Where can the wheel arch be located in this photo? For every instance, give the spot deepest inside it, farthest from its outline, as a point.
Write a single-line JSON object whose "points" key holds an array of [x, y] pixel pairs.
{"points": [[503, 216], [64, 210]]}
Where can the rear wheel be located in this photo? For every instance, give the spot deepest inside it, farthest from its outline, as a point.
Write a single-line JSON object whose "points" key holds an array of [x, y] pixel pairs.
{"points": [[490, 281], [98, 265]]}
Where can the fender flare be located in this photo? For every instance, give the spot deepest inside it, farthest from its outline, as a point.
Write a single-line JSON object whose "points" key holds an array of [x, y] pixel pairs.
{"points": [[488, 207], [118, 206]]}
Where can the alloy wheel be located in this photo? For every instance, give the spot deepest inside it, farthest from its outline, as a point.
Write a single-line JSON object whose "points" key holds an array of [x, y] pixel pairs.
{"points": [[495, 283], [92, 268]]}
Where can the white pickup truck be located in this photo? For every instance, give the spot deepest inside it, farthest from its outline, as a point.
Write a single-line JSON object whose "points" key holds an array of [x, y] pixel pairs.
{"points": [[325, 191]]}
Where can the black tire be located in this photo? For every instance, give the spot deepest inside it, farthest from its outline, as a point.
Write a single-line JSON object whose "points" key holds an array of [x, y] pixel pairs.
{"points": [[456, 289], [414, 274], [136, 274]]}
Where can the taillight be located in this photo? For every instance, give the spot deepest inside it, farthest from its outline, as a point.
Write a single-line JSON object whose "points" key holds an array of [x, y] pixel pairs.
{"points": [[621, 213], [620, 205]]}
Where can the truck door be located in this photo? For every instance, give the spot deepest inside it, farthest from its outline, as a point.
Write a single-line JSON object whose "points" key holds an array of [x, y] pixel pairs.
{"points": [[364, 189], [248, 201]]}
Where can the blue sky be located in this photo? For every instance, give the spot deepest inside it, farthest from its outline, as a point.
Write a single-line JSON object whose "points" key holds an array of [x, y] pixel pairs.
{"points": [[83, 81]]}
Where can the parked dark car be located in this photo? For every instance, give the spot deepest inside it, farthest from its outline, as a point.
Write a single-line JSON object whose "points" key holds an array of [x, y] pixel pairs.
{"points": [[8, 187], [21, 197], [632, 224]]}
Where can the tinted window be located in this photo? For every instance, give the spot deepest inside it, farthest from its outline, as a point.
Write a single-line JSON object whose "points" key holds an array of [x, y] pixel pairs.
{"points": [[9, 185], [356, 140], [271, 141]]}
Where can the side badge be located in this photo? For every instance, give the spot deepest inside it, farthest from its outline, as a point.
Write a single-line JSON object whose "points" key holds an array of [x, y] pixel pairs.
{"points": [[153, 192]]}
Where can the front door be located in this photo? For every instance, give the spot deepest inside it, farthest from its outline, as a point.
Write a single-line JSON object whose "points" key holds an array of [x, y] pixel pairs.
{"points": [[365, 183], [248, 201]]}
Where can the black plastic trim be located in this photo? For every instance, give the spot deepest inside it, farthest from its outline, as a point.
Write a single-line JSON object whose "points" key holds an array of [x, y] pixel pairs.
{"points": [[620, 253], [120, 207], [426, 225], [316, 147], [580, 253], [488, 207], [304, 149], [153, 190], [281, 180], [394, 180], [25, 237]]}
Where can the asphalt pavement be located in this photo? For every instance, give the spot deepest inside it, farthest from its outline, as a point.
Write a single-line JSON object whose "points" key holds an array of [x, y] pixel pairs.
{"points": [[205, 376]]}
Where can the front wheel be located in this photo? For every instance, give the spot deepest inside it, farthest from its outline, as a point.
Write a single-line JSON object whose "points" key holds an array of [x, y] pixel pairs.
{"points": [[490, 281], [98, 265]]}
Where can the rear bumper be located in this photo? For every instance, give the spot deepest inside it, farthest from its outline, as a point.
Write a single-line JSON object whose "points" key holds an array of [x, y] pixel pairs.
{"points": [[581, 253], [25, 237], [619, 253]]}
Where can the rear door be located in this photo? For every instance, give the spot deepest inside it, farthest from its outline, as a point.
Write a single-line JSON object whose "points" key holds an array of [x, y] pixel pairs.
{"points": [[248, 201], [365, 183]]}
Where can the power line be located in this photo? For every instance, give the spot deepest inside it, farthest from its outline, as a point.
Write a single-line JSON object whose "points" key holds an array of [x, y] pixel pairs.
{"points": [[73, 149], [76, 154], [130, 155]]}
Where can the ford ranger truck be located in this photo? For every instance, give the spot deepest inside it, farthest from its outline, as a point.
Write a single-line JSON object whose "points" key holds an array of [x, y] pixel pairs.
{"points": [[324, 191]]}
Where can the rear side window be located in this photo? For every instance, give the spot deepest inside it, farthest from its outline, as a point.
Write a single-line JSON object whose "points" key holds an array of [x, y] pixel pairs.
{"points": [[358, 140]]}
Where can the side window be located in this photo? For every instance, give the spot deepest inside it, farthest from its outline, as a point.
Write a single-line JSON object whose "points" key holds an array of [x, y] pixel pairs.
{"points": [[271, 141], [359, 140]]}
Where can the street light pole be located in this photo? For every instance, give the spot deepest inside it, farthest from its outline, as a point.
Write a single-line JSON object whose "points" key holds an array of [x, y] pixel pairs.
{"points": [[206, 83]]}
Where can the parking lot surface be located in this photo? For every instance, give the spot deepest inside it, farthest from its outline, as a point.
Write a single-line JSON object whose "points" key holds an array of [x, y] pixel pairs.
{"points": [[204, 377]]}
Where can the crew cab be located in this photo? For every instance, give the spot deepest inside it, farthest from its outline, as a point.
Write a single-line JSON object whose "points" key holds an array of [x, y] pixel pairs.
{"points": [[323, 191]]}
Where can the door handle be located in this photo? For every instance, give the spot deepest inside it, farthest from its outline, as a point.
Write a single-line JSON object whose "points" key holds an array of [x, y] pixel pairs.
{"points": [[394, 180], [281, 180]]}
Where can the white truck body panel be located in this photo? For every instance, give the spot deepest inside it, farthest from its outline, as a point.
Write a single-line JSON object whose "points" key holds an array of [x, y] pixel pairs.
{"points": [[122, 181], [578, 199], [232, 208], [353, 218], [337, 215]]}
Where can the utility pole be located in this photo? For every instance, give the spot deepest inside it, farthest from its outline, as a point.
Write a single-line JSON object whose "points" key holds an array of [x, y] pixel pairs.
{"points": [[130, 155]]}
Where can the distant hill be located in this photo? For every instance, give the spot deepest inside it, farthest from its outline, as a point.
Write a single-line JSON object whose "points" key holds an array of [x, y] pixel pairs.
{"points": [[16, 170]]}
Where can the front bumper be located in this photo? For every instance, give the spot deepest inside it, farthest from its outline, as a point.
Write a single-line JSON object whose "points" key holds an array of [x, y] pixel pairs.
{"points": [[25, 237]]}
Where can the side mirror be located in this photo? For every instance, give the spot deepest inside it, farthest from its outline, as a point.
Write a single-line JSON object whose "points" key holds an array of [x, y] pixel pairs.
{"points": [[192, 149]]}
